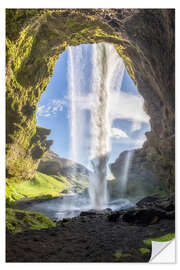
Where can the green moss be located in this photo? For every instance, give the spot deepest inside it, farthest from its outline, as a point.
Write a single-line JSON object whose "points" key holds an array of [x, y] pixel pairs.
{"points": [[118, 254], [164, 238], [41, 185], [144, 250], [18, 221], [16, 19]]}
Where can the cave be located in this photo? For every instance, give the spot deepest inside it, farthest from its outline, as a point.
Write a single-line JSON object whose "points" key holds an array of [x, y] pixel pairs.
{"points": [[144, 38], [41, 35], [76, 74]]}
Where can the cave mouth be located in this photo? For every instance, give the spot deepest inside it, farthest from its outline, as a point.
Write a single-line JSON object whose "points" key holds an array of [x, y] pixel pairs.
{"points": [[74, 69], [70, 107]]}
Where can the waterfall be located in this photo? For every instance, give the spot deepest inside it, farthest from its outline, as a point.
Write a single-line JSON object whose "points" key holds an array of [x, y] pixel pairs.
{"points": [[108, 69], [106, 76], [73, 91], [76, 86], [100, 128], [124, 175]]}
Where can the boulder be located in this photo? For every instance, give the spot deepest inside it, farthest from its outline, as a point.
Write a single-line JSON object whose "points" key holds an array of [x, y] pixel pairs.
{"points": [[146, 201], [114, 217], [144, 216]]}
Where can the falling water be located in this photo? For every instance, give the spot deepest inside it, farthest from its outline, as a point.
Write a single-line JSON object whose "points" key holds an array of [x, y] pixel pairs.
{"points": [[73, 91], [76, 86], [99, 127], [124, 175], [106, 79], [106, 68]]}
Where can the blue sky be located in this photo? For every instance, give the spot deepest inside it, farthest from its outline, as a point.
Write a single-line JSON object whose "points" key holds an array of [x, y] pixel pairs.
{"points": [[53, 111]]}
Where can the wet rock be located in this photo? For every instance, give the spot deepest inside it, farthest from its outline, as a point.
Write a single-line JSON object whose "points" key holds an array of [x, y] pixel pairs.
{"points": [[144, 216], [93, 212], [114, 217], [88, 213], [147, 200], [166, 205], [170, 215]]}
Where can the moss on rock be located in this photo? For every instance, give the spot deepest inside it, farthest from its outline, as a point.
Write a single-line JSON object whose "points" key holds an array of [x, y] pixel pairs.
{"points": [[144, 250], [163, 238], [18, 221]]}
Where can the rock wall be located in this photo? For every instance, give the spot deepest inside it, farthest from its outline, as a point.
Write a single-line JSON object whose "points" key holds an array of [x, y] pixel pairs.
{"points": [[143, 179], [143, 37]]}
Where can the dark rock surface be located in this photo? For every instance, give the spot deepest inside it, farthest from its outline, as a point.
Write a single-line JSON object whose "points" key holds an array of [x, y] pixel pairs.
{"points": [[166, 203], [94, 236], [144, 216], [90, 238], [150, 210]]}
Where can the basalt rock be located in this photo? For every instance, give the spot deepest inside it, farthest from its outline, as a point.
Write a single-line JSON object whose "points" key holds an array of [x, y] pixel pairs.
{"points": [[166, 204], [114, 217], [147, 201], [150, 210], [143, 37], [144, 216]]}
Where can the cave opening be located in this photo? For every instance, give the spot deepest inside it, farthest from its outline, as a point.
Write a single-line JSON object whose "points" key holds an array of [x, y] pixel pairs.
{"points": [[87, 125]]}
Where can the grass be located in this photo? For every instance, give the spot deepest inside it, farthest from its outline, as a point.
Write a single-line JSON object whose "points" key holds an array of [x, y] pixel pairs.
{"points": [[41, 185], [164, 238], [18, 221]]}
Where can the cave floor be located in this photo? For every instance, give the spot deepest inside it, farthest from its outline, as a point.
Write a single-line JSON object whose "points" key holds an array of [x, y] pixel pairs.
{"points": [[86, 239]]}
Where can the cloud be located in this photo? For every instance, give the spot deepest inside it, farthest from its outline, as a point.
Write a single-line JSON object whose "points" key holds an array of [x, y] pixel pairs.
{"points": [[122, 105], [51, 108], [117, 133], [135, 126], [127, 106], [133, 142]]}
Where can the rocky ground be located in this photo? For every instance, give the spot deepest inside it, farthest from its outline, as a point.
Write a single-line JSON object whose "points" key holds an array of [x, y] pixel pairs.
{"points": [[97, 236]]}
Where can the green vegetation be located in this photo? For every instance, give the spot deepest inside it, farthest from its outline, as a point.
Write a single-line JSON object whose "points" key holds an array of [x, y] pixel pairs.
{"points": [[164, 238], [18, 221], [118, 254], [144, 250], [41, 185]]}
